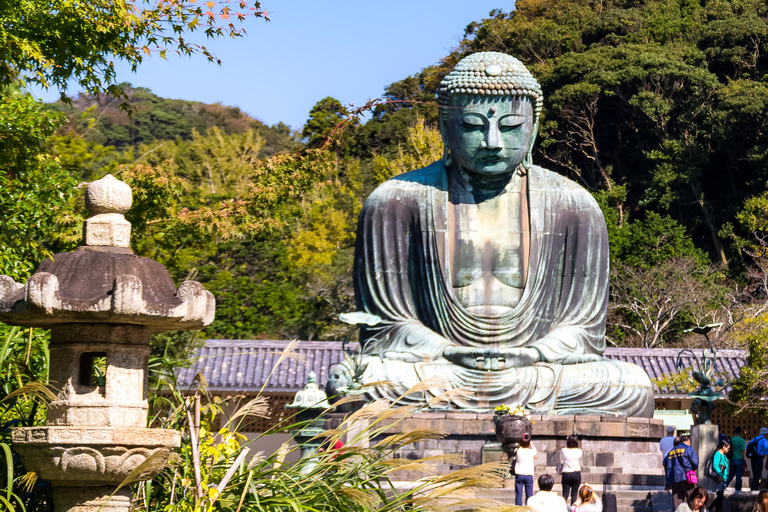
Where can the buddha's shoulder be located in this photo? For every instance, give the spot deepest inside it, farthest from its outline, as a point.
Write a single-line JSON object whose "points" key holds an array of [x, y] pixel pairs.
{"points": [[409, 184], [552, 181]]}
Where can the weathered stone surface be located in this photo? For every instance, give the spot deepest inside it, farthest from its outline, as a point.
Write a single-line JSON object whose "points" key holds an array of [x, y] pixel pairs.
{"points": [[613, 429], [102, 303], [478, 217], [638, 429], [108, 199], [604, 459], [620, 447], [563, 428], [108, 195], [428, 415], [543, 428], [81, 456], [91, 499], [117, 296], [704, 439], [103, 281], [583, 428], [657, 430]]}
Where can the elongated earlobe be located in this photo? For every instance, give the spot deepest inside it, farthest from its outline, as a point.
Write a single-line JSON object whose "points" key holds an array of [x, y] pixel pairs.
{"points": [[528, 160]]}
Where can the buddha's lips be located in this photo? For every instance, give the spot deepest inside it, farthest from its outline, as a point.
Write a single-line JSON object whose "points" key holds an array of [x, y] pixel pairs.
{"points": [[492, 159]]}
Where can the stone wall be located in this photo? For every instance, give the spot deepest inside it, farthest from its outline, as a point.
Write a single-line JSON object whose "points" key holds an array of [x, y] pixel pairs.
{"points": [[621, 451]]}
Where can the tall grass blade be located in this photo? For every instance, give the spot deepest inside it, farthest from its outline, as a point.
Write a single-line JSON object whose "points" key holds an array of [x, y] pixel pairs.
{"points": [[8, 469]]}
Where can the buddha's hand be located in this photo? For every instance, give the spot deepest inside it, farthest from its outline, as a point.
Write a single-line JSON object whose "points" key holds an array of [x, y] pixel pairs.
{"points": [[493, 359]]}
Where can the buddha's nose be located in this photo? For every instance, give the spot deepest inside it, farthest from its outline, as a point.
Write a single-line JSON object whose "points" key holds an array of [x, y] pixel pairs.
{"points": [[492, 138]]}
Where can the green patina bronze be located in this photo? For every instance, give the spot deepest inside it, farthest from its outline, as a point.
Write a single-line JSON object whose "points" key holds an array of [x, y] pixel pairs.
{"points": [[488, 273]]}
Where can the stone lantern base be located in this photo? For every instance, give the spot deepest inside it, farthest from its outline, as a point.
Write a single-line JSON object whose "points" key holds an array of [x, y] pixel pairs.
{"points": [[85, 464], [91, 499]]}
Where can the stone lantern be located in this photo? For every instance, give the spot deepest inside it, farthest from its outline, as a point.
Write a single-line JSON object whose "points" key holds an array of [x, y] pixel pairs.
{"points": [[101, 303], [310, 403]]}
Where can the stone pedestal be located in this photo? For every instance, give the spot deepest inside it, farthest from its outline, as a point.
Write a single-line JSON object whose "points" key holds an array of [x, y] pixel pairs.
{"points": [[91, 499], [617, 451], [704, 442]]}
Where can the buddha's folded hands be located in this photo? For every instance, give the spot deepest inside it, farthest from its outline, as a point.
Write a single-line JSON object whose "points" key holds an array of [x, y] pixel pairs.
{"points": [[492, 359]]}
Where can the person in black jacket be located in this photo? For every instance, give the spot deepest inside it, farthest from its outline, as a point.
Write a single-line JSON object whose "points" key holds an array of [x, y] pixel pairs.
{"points": [[680, 461]]}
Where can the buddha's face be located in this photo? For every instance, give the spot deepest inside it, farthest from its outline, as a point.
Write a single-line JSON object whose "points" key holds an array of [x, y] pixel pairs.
{"points": [[489, 135]]}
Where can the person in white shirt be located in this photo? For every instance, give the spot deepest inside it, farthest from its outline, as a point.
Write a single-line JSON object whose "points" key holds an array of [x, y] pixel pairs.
{"points": [[667, 443], [524, 458], [545, 500], [570, 459], [588, 501]]}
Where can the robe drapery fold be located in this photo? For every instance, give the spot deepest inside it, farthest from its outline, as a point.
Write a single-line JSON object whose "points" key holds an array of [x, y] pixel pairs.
{"points": [[402, 274]]}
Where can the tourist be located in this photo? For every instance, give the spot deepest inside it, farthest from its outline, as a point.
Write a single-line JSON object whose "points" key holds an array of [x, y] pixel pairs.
{"points": [[588, 501], [757, 459], [680, 465], [695, 502], [570, 461], [668, 442], [737, 459], [761, 505], [720, 466], [546, 500], [524, 458]]}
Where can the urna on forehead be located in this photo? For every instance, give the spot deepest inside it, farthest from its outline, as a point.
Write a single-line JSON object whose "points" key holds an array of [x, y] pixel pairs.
{"points": [[489, 75]]}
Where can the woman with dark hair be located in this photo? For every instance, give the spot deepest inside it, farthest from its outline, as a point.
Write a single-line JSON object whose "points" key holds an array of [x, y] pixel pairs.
{"points": [[524, 464], [720, 466], [696, 501], [570, 460]]}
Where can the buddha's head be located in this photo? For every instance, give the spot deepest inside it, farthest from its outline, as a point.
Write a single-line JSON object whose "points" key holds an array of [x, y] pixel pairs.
{"points": [[490, 107]]}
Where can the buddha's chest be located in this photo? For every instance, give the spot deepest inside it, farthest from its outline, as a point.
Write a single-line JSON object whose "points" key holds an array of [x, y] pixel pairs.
{"points": [[486, 252]]}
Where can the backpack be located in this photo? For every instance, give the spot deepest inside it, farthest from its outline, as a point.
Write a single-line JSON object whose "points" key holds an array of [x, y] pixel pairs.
{"points": [[752, 448], [709, 469]]}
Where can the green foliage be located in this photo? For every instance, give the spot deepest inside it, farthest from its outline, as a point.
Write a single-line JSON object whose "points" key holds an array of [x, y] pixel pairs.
{"points": [[257, 293], [53, 43], [99, 121], [652, 241], [33, 185], [424, 145], [325, 119], [750, 389], [24, 363], [680, 382]]}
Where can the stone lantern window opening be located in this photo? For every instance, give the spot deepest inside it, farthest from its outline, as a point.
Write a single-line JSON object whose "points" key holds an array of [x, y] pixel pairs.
{"points": [[93, 370]]}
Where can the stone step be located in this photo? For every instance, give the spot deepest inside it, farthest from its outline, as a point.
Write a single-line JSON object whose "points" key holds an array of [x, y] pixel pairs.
{"points": [[628, 500]]}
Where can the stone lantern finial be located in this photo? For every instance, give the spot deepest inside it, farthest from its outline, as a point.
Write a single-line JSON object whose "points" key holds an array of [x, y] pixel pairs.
{"points": [[107, 199]]}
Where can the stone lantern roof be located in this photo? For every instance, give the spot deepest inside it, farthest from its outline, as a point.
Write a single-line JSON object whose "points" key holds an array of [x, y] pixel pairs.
{"points": [[102, 281]]}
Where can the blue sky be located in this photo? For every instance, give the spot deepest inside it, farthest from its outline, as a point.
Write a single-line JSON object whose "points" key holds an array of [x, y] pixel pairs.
{"points": [[348, 49]]}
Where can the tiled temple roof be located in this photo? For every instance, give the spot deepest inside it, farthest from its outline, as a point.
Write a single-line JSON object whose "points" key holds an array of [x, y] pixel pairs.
{"points": [[660, 362], [233, 366], [247, 365]]}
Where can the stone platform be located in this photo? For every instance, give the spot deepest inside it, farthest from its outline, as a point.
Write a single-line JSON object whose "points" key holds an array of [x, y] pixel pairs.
{"points": [[617, 451]]}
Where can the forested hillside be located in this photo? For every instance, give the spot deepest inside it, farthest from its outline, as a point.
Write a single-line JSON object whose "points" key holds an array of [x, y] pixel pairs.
{"points": [[657, 107]]}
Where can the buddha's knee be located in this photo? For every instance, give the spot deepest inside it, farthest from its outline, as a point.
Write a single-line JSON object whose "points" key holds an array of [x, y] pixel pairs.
{"points": [[608, 386]]}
